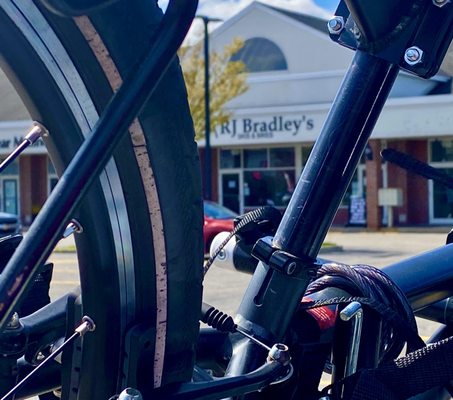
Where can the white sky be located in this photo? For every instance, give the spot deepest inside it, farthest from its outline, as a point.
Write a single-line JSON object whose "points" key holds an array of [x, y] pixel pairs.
{"points": [[225, 9]]}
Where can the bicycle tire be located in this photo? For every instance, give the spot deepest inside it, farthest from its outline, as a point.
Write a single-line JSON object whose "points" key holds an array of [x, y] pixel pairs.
{"points": [[142, 221]]}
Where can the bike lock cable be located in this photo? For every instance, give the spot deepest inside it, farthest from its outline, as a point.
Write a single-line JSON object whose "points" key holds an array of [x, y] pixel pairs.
{"points": [[374, 289]]}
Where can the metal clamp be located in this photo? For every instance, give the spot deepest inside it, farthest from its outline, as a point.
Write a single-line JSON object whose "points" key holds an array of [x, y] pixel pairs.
{"points": [[353, 311]]}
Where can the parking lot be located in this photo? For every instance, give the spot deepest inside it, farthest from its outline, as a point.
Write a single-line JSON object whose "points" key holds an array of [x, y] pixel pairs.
{"points": [[224, 288]]}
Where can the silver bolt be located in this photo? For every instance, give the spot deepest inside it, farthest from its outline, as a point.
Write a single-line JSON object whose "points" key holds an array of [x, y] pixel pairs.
{"points": [[222, 255], [14, 322], [73, 227], [130, 394], [335, 25], [280, 353], [440, 3], [413, 55], [291, 268]]}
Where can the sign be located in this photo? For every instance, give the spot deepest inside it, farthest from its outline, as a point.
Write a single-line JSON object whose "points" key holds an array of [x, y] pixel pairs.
{"points": [[357, 211], [266, 129], [13, 133]]}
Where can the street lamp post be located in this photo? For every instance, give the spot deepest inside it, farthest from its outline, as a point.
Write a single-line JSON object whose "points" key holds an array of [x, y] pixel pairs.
{"points": [[207, 156]]}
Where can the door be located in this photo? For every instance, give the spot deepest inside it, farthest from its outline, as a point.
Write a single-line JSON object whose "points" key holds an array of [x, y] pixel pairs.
{"points": [[10, 196], [231, 191]]}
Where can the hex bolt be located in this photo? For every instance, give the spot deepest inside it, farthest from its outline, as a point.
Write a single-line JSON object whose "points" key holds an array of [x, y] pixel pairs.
{"points": [[280, 353], [413, 55], [130, 394], [14, 322], [291, 268], [73, 227], [335, 25], [440, 3]]}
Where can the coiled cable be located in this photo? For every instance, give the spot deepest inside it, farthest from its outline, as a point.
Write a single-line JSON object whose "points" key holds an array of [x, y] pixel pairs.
{"points": [[372, 288]]}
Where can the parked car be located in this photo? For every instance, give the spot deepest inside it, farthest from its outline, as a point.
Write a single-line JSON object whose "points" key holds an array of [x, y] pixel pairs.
{"points": [[217, 219], [9, 224]]}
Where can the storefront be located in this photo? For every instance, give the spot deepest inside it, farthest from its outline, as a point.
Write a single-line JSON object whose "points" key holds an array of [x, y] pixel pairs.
{"points": [[26, 183], [260, 153]]}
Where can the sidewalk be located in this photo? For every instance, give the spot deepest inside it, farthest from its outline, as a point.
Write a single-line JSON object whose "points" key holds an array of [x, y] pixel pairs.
{"points": [[383, 247]]}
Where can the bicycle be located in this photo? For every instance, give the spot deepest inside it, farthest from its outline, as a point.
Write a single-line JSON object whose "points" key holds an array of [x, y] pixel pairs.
{"points": [[141, 277]]}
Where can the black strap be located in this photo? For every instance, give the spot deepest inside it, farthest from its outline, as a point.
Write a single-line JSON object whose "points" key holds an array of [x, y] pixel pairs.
{"points": [[416, 373]]}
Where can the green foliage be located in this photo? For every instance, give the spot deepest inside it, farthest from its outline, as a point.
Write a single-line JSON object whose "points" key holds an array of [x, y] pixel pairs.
{"points": [[227, 80]]}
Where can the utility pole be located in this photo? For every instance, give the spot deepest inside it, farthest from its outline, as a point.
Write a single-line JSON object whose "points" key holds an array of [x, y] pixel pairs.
{"points": [[207, 152]]}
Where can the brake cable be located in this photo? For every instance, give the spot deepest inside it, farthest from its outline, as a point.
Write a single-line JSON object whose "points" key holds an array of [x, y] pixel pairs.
{"points": [[87, 325], [260, 216]]}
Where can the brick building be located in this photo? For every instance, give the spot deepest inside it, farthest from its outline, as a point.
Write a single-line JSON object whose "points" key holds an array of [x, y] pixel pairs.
{"points": [[25, 184], [294, 73]]}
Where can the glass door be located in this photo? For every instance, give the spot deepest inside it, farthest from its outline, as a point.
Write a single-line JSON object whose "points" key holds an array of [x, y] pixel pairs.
{"points": [[10, 196], [230, 191]]}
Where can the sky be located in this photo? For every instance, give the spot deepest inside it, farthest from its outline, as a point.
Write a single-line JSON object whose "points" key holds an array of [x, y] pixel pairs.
{"points": [[225, 9]]}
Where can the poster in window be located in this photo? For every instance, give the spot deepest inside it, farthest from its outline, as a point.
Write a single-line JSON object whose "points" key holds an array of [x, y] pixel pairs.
{"points": [[357, 211]]}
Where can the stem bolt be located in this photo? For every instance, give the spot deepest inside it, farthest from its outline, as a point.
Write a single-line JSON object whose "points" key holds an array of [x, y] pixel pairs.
{"points": [[130, 394], [335, 25], [291, 268], [413, 55], [280, 353], [14, 322], [440, 3]]}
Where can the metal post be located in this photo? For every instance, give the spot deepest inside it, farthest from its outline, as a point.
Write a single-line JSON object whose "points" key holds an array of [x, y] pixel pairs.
{"points": [[207, 150]]}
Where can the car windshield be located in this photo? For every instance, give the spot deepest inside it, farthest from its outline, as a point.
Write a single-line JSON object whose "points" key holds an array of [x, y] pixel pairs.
{"points": [[217, 211]]}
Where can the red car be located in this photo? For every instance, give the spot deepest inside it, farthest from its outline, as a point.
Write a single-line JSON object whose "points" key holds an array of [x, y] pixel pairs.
{"points": [[216, 219]]}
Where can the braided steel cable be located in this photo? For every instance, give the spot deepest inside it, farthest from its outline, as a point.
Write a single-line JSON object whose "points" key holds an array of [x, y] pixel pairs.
{"points": [[374, 289]]}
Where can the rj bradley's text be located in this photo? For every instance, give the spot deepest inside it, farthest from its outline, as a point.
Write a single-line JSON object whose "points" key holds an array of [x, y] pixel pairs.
{"points": [[251, 128]]}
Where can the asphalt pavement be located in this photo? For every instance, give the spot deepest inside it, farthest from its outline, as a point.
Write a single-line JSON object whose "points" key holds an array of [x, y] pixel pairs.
{"points": [[224, 288]]}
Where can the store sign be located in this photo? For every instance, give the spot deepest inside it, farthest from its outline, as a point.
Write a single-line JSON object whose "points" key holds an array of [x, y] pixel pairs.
{"points": [[13, 133], [7, 145], [265, 128]]}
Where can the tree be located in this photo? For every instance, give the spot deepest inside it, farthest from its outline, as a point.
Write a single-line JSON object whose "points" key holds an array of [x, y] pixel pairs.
{"points": [[227, 79]]}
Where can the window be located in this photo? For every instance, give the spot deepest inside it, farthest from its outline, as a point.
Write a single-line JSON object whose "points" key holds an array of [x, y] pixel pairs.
{"points": [[441, 150], [269, 176], [441, 157], [255, 158], [268, 187], [260, 54], [51, 176], [230, 159]]}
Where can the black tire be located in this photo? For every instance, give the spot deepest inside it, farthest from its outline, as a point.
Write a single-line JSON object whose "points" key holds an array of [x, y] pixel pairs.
{"points": [[141, 251]]}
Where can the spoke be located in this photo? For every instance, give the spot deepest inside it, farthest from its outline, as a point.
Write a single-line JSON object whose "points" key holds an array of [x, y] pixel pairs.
{"points": [[35, 132], [87, 325]]}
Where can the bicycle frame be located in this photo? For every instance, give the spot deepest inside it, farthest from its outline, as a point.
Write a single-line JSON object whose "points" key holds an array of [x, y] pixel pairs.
{"points": [[275, 291]]}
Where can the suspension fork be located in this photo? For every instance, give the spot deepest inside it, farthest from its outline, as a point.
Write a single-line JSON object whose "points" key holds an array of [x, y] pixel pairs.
{"points": [[276, 289]]}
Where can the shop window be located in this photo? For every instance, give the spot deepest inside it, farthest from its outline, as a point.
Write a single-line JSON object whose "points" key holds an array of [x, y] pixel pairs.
{"points": [[10, 196], [11, 169], [255, 158], [282, 157], [230, 159], [441, 150], [52, 176], [260, 54], [442, 198], [268, 187], [306, 150]]}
